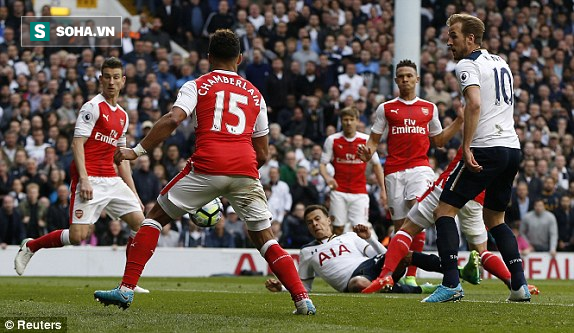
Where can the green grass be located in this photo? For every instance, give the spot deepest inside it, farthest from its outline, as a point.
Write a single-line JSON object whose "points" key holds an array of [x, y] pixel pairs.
{"points": [[242, 304]]}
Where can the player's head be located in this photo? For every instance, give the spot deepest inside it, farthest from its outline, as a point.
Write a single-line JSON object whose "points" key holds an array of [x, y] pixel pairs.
{"points": [[464, 34], [224, 48], [112, 78], [406, 77], [318, 221], [349, 120]]}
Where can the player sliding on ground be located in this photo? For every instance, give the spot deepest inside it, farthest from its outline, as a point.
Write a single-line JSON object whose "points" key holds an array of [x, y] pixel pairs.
{"points": [[231, 129], [349, 262]]}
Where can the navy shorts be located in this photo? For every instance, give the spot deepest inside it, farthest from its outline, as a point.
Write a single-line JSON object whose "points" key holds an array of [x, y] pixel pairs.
{"points": [[499, 167], [370, 268]]}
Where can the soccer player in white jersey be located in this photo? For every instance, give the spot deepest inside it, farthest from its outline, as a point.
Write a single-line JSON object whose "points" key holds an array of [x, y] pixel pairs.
{"points": [[491, 157], [409, 124], [100, 129]]}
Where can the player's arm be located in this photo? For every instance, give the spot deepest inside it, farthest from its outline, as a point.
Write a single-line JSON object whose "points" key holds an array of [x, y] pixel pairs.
{"points": [[471, 116], [87, 118], [446, 134], [260, 139], [380, 175], [326, 158], [372, 246]]}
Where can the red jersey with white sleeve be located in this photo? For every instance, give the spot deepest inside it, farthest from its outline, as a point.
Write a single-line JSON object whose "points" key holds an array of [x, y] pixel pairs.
{"points": [[341, 152], [105, 126], [441, 180], [227, 111], [407, 126]]}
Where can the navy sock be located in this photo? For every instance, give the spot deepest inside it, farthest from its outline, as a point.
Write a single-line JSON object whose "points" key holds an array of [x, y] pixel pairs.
{"points": [[427, 262], [508, 248], [447, 244]]}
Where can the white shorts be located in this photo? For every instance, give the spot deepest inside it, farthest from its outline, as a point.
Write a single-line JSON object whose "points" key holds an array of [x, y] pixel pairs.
{"points": [[349, 207], [189, 191], [406, 185], [111, 194], [469, 217]]}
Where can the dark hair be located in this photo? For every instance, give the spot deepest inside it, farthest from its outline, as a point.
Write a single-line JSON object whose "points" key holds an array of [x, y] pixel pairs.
{"points": [[312, 208], [407, 63], [112, 62], [224, 45]]}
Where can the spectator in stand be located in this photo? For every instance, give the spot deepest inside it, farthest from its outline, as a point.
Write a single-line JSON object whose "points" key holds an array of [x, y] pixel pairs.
{"points": [[12, 230], [146, 182], [114, 236], [540, 229], [33, 212], [565, 220], [520, 204], [549, 194], [222, 19], [303, 191], [280, 197], [295, 232], [168, 237], [529, 176], [350, 82], [192, 235], [58, 215], [219, 237], [235, 227]]}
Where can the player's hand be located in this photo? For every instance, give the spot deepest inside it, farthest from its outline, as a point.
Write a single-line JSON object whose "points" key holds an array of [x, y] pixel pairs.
{"points": [[364, 153], [86, 191], [470, 162], [362, 231], [333, 185], [273, 285], [124, 153]]}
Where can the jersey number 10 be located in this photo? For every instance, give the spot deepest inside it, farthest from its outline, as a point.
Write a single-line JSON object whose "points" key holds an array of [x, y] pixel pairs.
{"points": [[500, 85], [233, 108]]}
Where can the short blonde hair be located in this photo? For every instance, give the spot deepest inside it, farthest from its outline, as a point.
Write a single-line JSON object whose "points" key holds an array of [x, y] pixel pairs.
{"points": [[470, 25], [350, 111]]}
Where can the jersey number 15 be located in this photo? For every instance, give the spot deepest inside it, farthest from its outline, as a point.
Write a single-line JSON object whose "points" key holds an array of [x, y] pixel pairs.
{"points": [[500, 84], [232, 106]]}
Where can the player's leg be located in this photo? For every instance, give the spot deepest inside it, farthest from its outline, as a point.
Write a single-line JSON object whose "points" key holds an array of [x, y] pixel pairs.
{"points": [[496, 199], [338, 209], [248, 199], [82, 214]]}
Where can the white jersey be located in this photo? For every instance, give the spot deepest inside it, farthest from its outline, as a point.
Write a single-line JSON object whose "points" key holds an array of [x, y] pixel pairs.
{"points": [[492, 74], [334, 260]]}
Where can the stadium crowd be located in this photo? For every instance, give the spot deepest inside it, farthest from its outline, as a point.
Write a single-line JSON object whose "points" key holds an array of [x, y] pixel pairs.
{"points": [[310, 59]]}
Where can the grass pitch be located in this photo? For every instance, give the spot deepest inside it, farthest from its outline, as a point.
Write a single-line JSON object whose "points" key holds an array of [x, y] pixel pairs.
{"points": [[242, 304]]}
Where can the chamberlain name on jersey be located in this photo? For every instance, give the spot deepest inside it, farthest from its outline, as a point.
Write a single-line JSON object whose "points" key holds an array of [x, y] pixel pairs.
{"points": [[334, 260], [349, 168], [227, 112], [492, 74], [105, 127], [407, 126]]}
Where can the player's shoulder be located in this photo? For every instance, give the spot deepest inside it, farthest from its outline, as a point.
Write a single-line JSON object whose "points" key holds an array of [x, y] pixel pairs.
{"points": [[424, 102], [335, 136], [391, 102], [361, 135], [310, 244], [92, 104]]}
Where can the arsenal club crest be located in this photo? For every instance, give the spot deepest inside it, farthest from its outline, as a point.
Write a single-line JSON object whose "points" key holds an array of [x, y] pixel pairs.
{"points": [[79, 213], [425, 111]]}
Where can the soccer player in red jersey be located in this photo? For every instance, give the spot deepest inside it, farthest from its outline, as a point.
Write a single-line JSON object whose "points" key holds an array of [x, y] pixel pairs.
{"points": [[231, 129], [349, 198], [101, 128], [408, 122]]}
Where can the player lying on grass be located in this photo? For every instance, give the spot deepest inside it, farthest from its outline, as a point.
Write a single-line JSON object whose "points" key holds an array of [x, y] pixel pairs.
{"points": [[420, 217], [350, 262]]}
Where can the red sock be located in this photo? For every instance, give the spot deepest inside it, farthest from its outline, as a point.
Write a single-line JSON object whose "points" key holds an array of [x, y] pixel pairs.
{"points": [[282, 265], [493, 264], [398, 249], [417, 245], [142, 248], [53, 239]]}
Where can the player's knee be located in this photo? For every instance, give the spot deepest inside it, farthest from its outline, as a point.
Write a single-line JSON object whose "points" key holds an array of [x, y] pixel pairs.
{"points": [[357, 284]]}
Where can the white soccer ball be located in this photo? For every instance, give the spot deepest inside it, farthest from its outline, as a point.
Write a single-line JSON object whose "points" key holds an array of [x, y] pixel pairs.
{"points": [[208, 215]]}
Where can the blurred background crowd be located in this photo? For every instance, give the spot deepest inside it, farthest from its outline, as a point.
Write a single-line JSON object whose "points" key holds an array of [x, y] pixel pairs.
{"points": [[310, 59]]}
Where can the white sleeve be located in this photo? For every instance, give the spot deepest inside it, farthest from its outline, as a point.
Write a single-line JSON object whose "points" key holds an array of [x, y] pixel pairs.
{"points": [[305, 268], [380, 120], [375, 159], [435, 127], [86, 121], [467, 74], [261, 127], [187, 97], [122, 141], [327, 154]]}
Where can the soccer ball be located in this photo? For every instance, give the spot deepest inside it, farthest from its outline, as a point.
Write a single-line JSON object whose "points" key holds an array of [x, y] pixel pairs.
{"points": [[208, 215]]}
